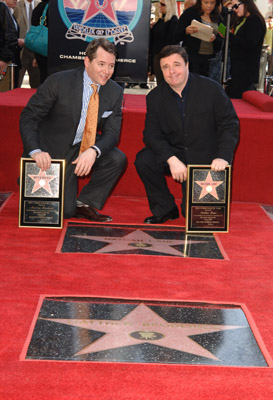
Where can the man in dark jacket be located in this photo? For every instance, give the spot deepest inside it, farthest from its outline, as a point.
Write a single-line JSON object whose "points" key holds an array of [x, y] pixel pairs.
{"points": [[190, 120], [52, 126]]}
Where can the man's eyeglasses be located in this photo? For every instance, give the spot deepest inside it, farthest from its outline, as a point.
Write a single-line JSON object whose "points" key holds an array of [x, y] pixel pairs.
{"points": [[236, 6], [162, 4]]}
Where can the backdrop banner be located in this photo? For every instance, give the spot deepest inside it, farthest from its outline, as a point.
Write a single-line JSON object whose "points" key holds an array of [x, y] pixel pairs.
{"points": [[75, 23]]}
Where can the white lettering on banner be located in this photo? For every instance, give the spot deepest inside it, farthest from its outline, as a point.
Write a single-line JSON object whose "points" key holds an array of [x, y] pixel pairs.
{"points": [[71, 57], [127, 60], [120, 33]]}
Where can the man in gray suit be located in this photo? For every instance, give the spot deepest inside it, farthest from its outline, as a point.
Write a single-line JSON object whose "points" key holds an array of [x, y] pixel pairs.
{"points": [[52, 126], [189, 120], [22, 13]]}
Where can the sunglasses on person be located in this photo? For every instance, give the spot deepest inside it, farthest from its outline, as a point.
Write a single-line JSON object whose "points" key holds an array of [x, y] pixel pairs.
{"points": [[236, 6], [162, 4]]}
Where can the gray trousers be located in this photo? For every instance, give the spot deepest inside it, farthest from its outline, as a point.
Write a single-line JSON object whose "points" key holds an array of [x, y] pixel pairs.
{"points": [[104, 174]]}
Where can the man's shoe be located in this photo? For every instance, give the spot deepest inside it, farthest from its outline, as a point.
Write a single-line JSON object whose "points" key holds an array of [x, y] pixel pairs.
{"points": [[173, 214], [92, 214]]}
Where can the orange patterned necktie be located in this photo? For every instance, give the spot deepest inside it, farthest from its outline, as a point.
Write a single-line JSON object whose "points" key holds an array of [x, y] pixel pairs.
{"points": [[90, 129]]}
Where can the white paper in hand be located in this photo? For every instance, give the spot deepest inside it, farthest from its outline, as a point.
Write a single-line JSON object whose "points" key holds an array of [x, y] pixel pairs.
{"points": [[204, 31]]}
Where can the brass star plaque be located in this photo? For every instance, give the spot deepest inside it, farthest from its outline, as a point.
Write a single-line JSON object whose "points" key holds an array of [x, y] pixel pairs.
{"points": [[41, 194], [208, 199]]}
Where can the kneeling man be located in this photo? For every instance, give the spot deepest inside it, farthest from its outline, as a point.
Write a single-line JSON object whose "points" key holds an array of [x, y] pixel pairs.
{"points": [[61, 121], [189, 120]]}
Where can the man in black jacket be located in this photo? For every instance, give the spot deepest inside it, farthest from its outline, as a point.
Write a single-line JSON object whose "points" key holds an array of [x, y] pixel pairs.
{"points": [[190, 120]]}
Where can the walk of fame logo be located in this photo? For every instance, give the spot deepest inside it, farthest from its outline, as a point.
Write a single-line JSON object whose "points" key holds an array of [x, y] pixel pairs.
{"points": [[92, 329], [146, 336], [90, 19], [138, 239]]}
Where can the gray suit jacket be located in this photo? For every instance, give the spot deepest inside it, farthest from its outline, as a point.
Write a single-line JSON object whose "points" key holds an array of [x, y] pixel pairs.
{"points": [[20, 14], [50, 119], [211, 126]]}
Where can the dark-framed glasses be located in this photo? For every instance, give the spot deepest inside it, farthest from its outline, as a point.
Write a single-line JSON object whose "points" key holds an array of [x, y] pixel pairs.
{"points": [[236, 6]]}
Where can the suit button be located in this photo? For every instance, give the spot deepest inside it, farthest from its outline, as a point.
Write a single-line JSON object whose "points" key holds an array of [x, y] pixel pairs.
{"points": [[186, 148]]}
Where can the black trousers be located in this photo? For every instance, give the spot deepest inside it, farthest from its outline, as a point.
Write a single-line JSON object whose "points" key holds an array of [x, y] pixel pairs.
{"points": [[153, 176], [105, 173]]}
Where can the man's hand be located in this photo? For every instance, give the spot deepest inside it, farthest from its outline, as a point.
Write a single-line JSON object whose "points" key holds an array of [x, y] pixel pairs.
{"points": [[218, 164], [3, 66], [84, 162], [43, 160], [178, 169], [21, 42]]}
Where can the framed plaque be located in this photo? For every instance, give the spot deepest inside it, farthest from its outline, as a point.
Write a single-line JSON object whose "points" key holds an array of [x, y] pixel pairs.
{"points": [[41, 194], [208, 199]]}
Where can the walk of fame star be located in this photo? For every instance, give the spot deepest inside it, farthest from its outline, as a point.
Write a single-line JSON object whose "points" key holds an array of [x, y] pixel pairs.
{"points": [[150, 327], [105, 7], [209, 186], [142, 331], [42, 180], [139, 239]]}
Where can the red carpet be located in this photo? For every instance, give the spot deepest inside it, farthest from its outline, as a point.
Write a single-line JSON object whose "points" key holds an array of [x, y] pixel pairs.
{"points": [[31, 267]]}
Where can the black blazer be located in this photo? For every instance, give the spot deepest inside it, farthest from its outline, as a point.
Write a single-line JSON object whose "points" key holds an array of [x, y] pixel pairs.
{"points": [[50, 119], [245, 50], [211, 126], [9, 34]]}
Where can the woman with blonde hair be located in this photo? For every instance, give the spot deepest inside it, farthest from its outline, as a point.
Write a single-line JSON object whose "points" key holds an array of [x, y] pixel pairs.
{"points": [[162, 34]]}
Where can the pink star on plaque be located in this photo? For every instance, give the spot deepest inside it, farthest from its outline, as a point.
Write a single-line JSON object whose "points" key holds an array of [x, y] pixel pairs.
{"points": [[209, 186], [42, 181], [95, 8]]}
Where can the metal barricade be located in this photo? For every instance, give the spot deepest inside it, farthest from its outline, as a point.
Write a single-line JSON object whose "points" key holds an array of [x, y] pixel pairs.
{"points": [[268, 85], [7, 79], [263, 67]]}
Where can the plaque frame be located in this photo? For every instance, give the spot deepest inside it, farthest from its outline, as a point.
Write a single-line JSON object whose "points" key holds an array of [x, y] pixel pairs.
{"points": [[41, 206], [212, 209]]}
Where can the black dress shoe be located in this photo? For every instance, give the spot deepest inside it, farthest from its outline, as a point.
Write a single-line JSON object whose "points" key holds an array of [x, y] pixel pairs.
{"points": [[173, 214], [92, 214]]}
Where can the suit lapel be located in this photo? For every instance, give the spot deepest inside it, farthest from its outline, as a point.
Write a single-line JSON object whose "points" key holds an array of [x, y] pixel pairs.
{"points": [[169, 106], [191, 97], [24, 12], [103, 102], [76, 96]]}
